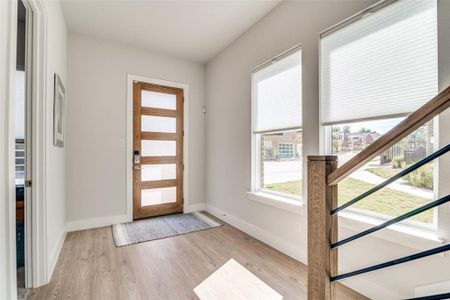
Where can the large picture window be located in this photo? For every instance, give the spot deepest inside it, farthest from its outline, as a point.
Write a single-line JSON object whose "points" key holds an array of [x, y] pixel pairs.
{"points": [[375, 70], [277, 126]]}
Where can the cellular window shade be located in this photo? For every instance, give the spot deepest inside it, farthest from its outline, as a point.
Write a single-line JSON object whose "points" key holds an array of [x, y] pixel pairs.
{"points": [[277, 95], [20, 104], [384, 64]]}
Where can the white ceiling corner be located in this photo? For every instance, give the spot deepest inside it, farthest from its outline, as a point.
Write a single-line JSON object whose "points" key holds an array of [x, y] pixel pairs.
{"points": [[196, 30]]}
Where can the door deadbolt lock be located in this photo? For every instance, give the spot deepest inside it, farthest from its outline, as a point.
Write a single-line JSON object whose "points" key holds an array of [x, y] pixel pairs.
{"points": [[137, 157]]}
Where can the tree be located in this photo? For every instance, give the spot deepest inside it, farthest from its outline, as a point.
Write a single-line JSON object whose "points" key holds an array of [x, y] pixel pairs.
{"points": [[336, 129], [365, 130], [335, 146], [347, 129]]}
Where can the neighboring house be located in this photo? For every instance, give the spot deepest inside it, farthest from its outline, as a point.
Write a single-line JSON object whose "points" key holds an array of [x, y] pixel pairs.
{"points": [[356, 141], [414, 148], [283, 145]]}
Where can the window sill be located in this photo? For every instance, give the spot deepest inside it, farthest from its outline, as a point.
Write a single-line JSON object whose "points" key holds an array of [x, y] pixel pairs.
{"points": [[414, 238], [291, 205]]}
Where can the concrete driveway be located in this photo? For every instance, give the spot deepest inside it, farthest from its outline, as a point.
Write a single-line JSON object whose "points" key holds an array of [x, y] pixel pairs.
{"points": [[282, 171]]}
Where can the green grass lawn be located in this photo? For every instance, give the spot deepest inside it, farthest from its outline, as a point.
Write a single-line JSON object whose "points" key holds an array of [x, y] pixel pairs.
{"points": [[288, 187], [384, 172], [423, 177], [386, 201]]}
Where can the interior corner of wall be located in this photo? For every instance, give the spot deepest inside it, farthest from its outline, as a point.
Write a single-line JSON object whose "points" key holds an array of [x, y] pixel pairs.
{"points": [[54, 254]]}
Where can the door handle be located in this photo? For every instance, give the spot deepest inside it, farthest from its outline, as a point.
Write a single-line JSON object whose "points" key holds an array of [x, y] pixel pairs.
{"points": [[137, 168]]}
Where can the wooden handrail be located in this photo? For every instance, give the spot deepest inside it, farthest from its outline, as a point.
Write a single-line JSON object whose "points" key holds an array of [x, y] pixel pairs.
{"points": [[416, 119]]}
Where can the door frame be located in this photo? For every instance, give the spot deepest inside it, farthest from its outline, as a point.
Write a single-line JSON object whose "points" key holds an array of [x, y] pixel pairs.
{"points": [[8, 25], [129, 137], [38, 267], [38, 272]]}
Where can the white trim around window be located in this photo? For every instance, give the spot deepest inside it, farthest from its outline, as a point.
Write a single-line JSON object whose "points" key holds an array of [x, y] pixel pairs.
{"points": [[278, 201], [257, 193], [406, 233]]}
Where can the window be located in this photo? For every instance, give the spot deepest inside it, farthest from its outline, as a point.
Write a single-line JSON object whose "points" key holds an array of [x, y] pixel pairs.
{"points": [[286, 150], [406, 194], [20, 125], [375, 69], [277, 126]]}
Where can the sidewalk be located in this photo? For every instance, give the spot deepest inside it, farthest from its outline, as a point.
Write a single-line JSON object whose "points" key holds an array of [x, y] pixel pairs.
{"points": [[398, 185]]}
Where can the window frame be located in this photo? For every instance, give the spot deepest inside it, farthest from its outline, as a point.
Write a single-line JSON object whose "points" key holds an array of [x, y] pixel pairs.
{"points": [[325, 144], [326, 138], [258, 193], [256, 170]]}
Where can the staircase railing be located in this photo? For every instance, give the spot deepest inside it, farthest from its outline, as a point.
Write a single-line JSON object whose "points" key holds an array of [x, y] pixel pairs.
{"points": [[323, 177]]}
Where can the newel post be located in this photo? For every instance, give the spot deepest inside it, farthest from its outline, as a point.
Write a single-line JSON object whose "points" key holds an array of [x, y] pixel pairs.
{"points": [[322, 228]]}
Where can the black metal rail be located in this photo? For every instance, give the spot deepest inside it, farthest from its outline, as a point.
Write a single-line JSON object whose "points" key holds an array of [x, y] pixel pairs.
{"points": [[402, 217], [393, 221], [432, 297], [408, 170], [393, 262]]}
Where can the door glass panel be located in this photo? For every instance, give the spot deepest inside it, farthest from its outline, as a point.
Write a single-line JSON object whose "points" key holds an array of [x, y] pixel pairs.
{"points": [[158, 196], [158, 148], [158, 124], [158, 172], [158, 100]]}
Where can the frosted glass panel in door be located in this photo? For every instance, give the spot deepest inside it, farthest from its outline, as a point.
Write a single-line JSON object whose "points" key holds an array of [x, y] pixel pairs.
{"points": [[158, 148], [158, 196], [158, 124], [158, 100], [158, 172]]}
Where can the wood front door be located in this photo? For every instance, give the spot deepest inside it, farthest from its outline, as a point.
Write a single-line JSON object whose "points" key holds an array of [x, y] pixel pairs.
{"points": [[158, 150]]}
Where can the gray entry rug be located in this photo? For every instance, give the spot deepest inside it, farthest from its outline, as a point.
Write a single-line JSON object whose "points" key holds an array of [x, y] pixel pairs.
{"points": [[160, 227], [22, 292]]}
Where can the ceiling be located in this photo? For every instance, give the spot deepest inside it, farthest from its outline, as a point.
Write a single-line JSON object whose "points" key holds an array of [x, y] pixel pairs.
{"points": [[196, 30]]}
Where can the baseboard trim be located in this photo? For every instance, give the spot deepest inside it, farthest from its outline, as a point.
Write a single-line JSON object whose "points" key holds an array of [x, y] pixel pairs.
{"points": [[195, 207], [368, 288], [95, 222], [53, 259], [106, 221], [260, 234]]}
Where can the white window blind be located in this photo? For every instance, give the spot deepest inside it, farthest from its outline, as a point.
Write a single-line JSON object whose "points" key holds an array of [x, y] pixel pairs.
{"points": [[277, 94], [20, 104], [384, 64]]}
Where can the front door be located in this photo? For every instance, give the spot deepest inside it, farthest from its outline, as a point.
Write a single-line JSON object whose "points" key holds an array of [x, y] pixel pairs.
{"points": [[158, 150]]}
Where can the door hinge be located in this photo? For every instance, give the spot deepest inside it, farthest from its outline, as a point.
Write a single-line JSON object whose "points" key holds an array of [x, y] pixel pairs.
{"points": [[28, 183]]}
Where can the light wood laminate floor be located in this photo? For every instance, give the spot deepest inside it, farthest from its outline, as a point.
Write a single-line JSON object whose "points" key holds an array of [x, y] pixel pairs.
{"points": [[91, 267]]}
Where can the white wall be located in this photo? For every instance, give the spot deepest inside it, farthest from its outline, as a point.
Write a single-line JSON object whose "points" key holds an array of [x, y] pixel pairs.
{"points": [[55, 169], [228, 147], [96, 139]]}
